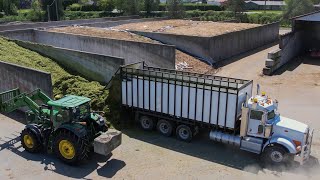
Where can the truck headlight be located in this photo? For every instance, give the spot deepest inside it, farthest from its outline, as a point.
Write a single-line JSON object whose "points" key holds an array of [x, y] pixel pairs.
{"points": [[298, 148]]}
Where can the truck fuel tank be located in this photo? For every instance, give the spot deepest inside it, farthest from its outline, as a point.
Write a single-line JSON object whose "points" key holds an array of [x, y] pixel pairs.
{"points": [[225, 138]]}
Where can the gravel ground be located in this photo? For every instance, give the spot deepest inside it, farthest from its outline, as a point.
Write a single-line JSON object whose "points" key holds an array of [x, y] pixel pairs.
{"points": [[146, 155], [194, 65], [187, 27]]}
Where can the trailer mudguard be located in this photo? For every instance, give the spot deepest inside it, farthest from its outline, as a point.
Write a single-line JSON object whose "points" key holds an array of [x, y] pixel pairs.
{"points": [[282, 141], [34, 128], [75, 128]]}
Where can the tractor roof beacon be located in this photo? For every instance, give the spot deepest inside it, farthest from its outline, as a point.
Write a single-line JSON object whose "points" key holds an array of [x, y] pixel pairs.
{"points": [[65, 127]]}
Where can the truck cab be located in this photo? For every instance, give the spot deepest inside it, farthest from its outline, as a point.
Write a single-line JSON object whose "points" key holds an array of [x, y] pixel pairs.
{"points": [[281, 138]]}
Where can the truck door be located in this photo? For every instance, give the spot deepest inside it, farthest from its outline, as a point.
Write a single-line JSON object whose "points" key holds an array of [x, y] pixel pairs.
{"points": [[255, 125]]}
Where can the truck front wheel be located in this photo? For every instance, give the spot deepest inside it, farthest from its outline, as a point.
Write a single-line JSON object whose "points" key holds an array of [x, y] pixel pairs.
{"points": [[275, 155], [165, 127], [184, 133]]}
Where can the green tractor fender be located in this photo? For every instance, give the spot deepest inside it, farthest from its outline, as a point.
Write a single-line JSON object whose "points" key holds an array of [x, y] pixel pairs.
{"points": [[78, 129]]}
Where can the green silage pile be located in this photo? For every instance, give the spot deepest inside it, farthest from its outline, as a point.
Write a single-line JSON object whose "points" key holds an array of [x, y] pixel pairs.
{"points": [[63, 82]]}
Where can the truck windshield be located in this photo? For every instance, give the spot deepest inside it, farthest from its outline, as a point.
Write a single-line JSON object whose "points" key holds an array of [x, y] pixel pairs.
{"points": [[271, 114]]}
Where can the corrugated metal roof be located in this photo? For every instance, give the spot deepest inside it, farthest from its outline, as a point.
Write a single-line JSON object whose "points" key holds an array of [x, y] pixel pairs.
{"points": [[315, 17], [268, 3]]}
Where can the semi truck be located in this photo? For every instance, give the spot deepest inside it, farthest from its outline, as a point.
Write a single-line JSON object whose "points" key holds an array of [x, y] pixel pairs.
{"points": [[184, 103]]}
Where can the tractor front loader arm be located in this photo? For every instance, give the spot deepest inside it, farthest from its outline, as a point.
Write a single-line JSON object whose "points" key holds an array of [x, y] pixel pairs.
{"points": [[13, 99]]}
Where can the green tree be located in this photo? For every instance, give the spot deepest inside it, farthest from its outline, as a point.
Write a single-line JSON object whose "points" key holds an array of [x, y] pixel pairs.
{"points": [[55, 9], [297, 7], [129, 7], [9, 7], [107, 5], [175, 8], [36, 11], [236, 6], [315, 1], [150, 5]]}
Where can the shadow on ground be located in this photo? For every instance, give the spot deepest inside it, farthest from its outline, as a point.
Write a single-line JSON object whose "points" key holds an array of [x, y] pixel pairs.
{"points": [[292, 65], [203, 148], [104, 166]]}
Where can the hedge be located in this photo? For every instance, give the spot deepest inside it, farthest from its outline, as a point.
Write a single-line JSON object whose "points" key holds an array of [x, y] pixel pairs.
{"points": [[191, 7]]}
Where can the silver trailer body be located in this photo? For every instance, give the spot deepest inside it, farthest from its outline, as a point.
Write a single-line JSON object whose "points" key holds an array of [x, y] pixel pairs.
{"points": [[199, 98]]}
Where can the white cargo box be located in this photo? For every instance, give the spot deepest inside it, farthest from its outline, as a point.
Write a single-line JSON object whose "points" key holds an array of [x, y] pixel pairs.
{"points": [[208, 99]]}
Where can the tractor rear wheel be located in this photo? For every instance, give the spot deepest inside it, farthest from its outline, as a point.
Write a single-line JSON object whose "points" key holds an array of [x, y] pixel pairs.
{"points": [[70, 148], [30, 141]]}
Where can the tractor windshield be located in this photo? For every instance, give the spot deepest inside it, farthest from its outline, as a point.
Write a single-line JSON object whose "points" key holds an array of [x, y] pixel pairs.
{"points": [[82, 111]]}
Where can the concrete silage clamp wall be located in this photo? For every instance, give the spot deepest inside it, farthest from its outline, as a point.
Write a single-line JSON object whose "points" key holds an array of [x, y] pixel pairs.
{"points": [[221, 47], [8, 27], [290, 46], [91, 66], [157, 55], [14, 76]]}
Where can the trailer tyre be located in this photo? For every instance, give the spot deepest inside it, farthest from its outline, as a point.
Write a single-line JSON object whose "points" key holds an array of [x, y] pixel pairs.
{"points": [[165, 127], [184, 133], [147, 123], [30, 142]]}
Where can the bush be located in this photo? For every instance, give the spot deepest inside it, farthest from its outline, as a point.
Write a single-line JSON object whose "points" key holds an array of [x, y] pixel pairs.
{"points": [[192, 7], [263, 18], [72, 15], [74, 7], [85, 7]]}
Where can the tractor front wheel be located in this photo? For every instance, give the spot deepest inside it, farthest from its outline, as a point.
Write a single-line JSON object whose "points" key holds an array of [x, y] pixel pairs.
{"points": [[29, 141], [70, 148]]}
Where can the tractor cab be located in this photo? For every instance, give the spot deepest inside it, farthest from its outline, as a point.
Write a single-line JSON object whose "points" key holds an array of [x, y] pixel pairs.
{"points": [[69, 109]]}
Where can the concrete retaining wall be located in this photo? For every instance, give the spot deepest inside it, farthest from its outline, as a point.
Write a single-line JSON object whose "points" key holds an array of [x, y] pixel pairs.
{"points": [[14, 76], [91, 66], [153, 54], [290, 46], [217, 48], [23, 35], [62, 23], [108, 24]]}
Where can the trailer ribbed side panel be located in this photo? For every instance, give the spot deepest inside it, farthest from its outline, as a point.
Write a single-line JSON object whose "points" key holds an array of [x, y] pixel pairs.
{"points": [[200, 99]]}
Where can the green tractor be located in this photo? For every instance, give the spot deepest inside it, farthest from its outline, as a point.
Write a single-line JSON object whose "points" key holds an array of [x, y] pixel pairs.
{"points": [[65, 127]]}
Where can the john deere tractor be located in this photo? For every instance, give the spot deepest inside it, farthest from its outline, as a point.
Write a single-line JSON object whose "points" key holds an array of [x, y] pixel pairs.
{"points": [[65, 127]]}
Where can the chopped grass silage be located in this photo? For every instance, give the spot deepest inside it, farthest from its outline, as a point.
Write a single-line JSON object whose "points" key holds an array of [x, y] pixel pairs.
{"points": [[63, 82]]}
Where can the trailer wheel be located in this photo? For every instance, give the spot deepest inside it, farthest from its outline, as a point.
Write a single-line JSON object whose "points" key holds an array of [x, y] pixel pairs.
{"points": [[165, 127], [30, 142], [147, 123], [184, 133], [275, 155]]}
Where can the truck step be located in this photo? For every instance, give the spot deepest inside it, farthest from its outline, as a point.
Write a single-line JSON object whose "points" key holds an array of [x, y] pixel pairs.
{"points": [[251, 144]]}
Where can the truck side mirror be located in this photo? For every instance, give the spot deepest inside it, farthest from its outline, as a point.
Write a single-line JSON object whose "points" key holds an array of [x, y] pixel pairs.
{"points": [[260, 129]]}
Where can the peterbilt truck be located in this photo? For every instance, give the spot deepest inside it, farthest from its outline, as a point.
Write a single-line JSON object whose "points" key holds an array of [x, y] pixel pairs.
{"points": [[183, 103]]}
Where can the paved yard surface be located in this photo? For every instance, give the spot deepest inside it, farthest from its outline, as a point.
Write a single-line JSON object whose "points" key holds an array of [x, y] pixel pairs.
{"points": [[145, 155]]}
